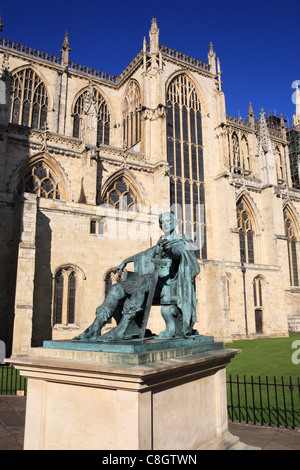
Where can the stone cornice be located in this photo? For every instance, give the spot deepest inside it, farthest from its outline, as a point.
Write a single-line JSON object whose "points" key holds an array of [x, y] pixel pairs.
{"points": [[130, 160]]}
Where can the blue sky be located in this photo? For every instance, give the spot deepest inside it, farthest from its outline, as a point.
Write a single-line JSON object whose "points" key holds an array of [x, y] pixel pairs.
{"points": [[257, 41]]}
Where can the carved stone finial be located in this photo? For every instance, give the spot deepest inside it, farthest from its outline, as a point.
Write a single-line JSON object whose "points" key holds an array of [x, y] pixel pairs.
{"points": [[65, 50], [154, 37], [1, 24], [251, 114], [211, 56]]}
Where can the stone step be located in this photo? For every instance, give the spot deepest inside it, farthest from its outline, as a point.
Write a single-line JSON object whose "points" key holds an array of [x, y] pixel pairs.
{"points": [[294, 324]]}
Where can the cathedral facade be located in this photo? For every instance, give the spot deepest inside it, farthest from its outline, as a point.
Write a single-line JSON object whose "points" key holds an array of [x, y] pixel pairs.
{"points": [[87, 163]]}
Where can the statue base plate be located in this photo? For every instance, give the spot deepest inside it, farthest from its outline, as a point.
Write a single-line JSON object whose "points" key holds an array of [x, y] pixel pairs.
{"points": [[136, 351]]}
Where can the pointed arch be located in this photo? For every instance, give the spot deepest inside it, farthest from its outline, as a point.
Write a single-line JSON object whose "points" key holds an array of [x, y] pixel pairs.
{"points": [[246, 225], [132, 114], [121, 192], [86, 97], [197, 88], [294, 216], [291, 229], [67, 280], [30, 98], [43, 176], [253, 210], [185, 156]]}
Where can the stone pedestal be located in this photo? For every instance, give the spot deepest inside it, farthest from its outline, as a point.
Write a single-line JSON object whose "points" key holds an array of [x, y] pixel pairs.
{"points": [[92, 399]]}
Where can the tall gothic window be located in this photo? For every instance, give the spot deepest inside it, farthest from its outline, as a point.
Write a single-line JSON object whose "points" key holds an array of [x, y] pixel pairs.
{"points": [[132, 115], [59, 291], [279, 165], [235, 159], [185, 157], [290, 233], [121, 196], [239, 154], [103, 116], [39, 180], [29, 100], [246, 232], [258, 304], [65, 296]]}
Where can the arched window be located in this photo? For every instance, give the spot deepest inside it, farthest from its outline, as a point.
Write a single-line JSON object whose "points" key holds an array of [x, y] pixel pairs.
{"points": [[29, 100], [246, 232], [65, 286], [40, 181], [279, 165], [258, 304], [71, 297], [245, 157], [58, 298], [121, 195], [185, 157], [103, 116], [235, 158], [132, 115], [290, 233]]}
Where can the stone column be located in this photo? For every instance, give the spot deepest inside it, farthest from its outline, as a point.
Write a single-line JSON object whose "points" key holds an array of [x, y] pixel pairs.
{"points": [[25, 274]]}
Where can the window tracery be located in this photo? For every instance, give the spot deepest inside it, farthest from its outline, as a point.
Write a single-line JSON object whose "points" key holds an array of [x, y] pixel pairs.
{"points": [[40, 180], [246, 232], [29, 100], [239, 154], [103, 116], [132, 115], [185, 157], [121, 195], [292, 242], [65, 292]]}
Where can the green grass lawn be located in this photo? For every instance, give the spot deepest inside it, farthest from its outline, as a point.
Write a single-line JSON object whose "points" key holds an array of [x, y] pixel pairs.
{"points": [[265, 357], [264, 363]]}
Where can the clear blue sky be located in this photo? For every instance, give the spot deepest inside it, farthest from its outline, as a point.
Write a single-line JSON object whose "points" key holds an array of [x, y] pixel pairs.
{"points": [[257, 41]]}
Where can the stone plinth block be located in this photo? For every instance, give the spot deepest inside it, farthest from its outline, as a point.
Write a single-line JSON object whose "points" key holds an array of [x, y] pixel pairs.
{"points": [[76, 400]]}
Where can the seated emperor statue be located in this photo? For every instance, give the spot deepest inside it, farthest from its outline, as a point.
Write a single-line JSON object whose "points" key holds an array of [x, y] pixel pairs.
{"points": [[174, 268]]}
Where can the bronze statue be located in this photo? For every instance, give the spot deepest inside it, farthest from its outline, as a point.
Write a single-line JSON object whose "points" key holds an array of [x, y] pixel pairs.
{"points": [[163, 275]]}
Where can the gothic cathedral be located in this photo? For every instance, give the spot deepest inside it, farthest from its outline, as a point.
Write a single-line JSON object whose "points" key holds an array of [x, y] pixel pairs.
{"points": [[87, 163]]}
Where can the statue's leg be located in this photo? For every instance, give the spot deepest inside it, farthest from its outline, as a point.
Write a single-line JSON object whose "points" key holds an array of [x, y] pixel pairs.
{"points": [[129, 312], [103, 313], [169, 314], [131, 308]]}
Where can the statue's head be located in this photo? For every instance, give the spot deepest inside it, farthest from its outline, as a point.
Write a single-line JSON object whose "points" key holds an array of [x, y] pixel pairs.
{"points": [[167, 222]]}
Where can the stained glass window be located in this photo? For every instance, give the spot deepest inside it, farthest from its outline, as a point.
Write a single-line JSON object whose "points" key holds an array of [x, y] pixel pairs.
{"points": [[103, 116], [40, 181], [290, 233], [246, 233], [29, 100], [132, 115], [185, 157], [65, 296], [121, 196], [71, 297], [59, 291]]}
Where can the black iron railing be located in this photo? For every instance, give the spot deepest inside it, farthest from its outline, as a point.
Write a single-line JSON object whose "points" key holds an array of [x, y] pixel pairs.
{"points": [[265, 401], [11, 383]]}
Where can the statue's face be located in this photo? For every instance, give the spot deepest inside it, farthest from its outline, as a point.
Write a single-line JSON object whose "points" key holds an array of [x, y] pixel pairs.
{"points": [[167, 223]]}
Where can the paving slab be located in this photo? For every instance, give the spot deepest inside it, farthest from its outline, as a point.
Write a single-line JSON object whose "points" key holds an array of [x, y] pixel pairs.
{"points": [[267, 438], [12, 423]]}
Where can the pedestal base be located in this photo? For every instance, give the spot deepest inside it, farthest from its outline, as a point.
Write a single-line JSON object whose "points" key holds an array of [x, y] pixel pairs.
{"points": [[76, 401]]}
